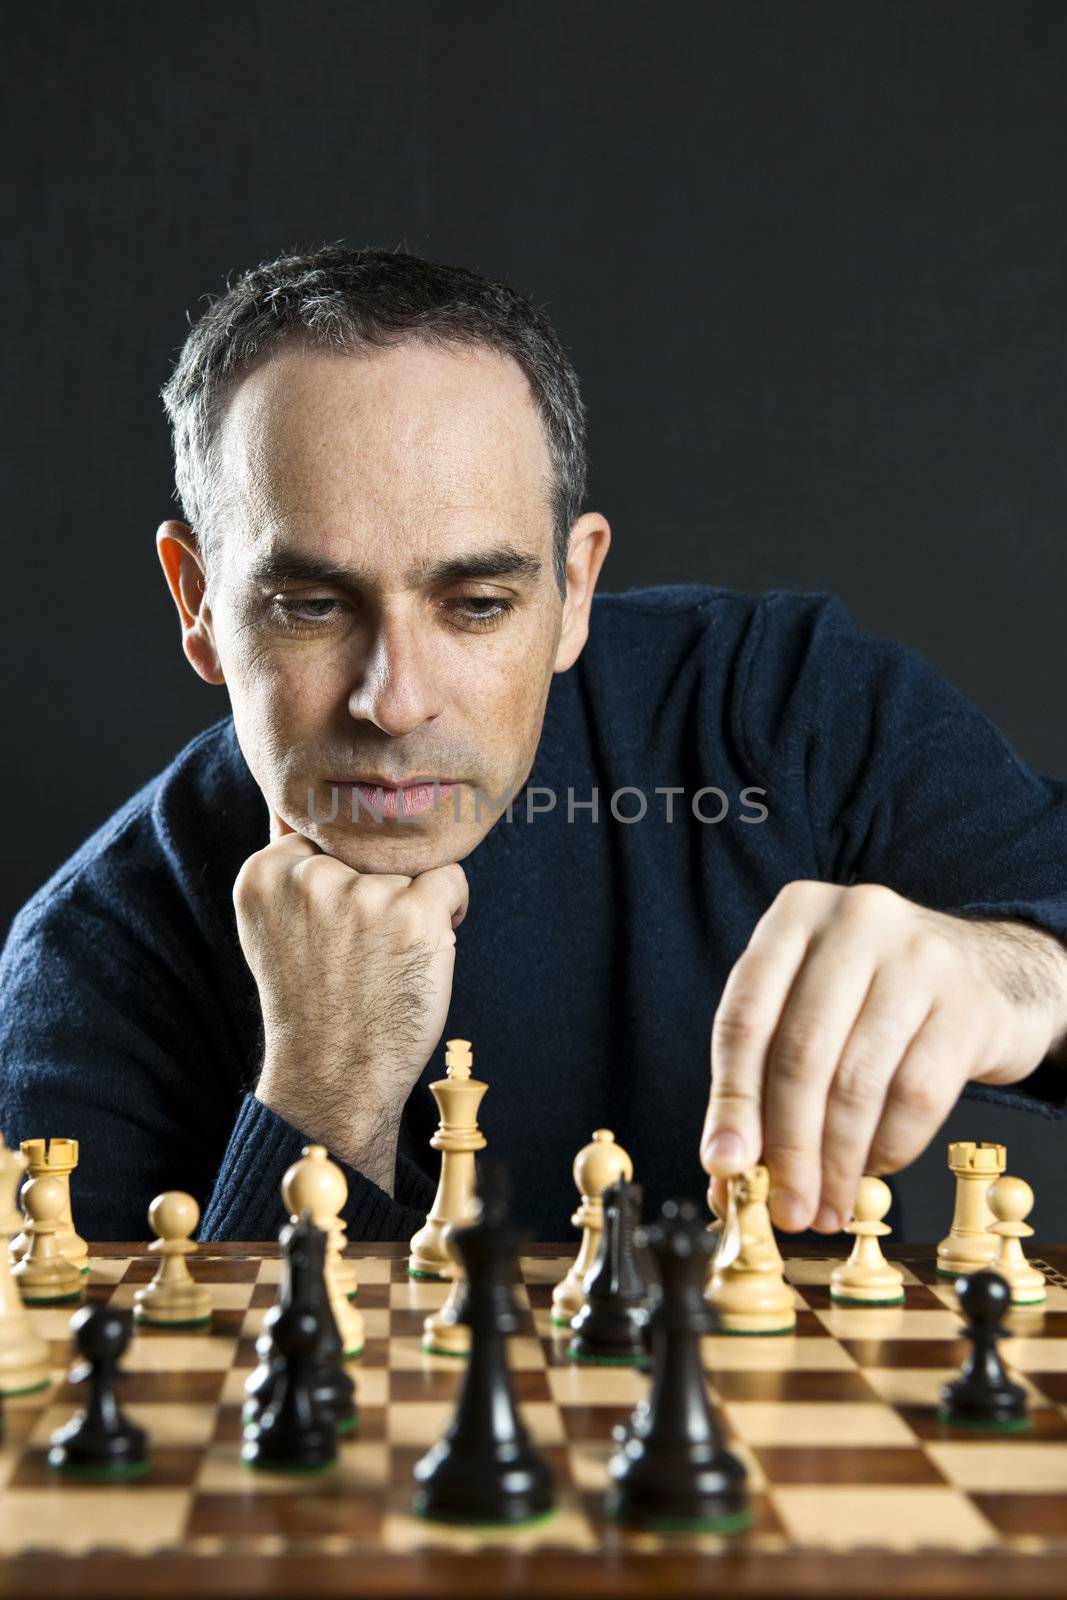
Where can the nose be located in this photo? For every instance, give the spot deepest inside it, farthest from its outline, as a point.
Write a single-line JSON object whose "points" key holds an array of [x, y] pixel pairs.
{"points": [[397, 688]]}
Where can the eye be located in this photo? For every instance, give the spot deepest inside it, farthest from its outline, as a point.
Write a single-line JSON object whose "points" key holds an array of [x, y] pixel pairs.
{"points": [[481, 611], [294, 612]]}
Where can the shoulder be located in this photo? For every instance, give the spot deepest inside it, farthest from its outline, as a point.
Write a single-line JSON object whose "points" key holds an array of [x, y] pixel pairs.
{"points": [[159, 854], [774, 630]]}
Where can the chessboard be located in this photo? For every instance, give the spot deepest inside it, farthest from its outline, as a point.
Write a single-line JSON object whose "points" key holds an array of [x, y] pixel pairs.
{"points": [[856, 1486]]}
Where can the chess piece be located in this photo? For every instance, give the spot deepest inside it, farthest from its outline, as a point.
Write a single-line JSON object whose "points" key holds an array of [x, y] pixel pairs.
{"points": [[749, 1293], [173, 1299], [1011, 1200], [99, 1441], [486, 1468], [867, 1278], [23, 1353], [596, 1165], [612, 1326], [45, 1276], [671, 1468], [303, 1284], [983, 1395], [316, 1184], [444, 1333], [969, 1244], [55, 1158], [291, 1433], [458, 1097]]}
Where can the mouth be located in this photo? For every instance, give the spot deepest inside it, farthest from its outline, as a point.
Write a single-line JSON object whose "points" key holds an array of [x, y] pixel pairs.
{"points": [[389, 798], [375, 780]]}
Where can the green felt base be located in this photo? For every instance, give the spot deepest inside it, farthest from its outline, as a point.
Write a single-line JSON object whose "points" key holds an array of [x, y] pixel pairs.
{"points": [[52, 1299], [757, 1333], [350, 1425], [733, 1522], [1015, 1425], [84, 1271], [296, 1472], [426, 1277], [435, 1350], [560, 1322], [350, 1355], [115, 1474], [31, 1388], [943, 1272], [606, 1361], [461, 1522]]}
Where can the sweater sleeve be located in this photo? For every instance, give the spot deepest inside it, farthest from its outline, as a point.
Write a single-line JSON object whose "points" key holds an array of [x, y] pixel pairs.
{"points": [[106, 1036], [908, 784], [245, 1202]]}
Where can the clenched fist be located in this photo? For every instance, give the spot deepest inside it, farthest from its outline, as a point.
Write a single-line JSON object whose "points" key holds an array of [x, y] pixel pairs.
{"points": [[354, 971]]}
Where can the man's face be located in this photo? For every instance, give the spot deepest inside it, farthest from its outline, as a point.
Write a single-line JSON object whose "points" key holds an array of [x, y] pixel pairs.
{"points": [[347, 648]]}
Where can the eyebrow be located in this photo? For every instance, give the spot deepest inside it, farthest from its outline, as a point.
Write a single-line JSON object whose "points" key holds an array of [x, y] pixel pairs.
{"points": [[498, 561]]}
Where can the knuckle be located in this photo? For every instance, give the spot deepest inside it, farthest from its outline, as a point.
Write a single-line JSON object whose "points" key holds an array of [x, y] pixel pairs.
{"points": [[737, 1024], [921, 1096], [872, 899], [784, 1149], [794, 1051], [731, 1098], [859, 1081]]}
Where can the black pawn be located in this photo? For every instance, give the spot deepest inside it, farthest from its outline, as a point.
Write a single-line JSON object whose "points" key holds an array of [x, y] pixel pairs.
{"points": [[983, 1395], [612, 1325], [671, 1469], [304, 1284], [485, 1468], [290, 1432], [99, 1442]]}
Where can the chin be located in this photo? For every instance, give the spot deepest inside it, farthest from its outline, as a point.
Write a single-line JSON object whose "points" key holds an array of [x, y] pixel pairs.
{"points": [[407, 854]]}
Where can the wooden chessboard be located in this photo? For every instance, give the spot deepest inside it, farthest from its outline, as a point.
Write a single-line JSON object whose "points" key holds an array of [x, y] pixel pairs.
{"points": [[856, 1487]]}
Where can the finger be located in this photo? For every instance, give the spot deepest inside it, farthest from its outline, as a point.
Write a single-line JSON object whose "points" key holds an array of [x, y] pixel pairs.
{"points": [[923, 1092], [742, 1028], [451, 881], [820, 1012], [891, 1017]]}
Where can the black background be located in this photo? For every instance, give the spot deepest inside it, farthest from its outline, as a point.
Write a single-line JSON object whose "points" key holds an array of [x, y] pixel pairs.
{"points": [[808, 259]]}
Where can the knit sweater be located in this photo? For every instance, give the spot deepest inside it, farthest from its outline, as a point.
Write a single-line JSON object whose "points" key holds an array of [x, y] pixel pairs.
{"points": [[595, 948]]}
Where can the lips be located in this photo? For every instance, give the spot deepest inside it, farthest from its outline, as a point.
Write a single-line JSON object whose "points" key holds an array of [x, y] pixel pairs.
{"points": [[374, 781]]}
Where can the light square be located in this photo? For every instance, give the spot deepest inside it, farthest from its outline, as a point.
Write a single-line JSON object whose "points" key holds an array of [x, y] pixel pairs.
{"points": [[883, 1515], [816, 1423]]}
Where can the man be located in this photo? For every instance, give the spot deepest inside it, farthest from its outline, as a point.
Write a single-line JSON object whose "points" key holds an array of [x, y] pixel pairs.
{"points": [[744, 837]]}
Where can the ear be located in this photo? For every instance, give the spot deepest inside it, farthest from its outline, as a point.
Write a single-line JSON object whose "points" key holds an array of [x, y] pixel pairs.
{"points": [[589, 543], [183, 568]]}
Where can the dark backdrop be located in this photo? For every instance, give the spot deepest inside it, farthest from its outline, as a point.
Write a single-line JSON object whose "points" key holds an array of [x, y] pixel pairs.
{"points": [[808, 258]]}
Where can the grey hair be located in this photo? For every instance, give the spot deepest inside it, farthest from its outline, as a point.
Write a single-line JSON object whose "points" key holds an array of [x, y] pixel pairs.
{"points": [[347, 300]]}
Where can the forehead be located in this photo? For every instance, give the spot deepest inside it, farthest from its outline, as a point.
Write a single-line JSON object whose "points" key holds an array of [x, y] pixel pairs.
{"points": [[389, 440]]}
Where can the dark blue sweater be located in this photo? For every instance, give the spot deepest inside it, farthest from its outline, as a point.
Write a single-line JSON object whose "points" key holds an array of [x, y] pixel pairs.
{"points": [[593, 955]]}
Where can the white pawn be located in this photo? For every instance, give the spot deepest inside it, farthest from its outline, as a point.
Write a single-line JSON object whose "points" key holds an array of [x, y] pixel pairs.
{"points": [[597, 1164], [317, 1185], [1011, 1200], [442, 1335], [867, 1277], [23, 1353], [44, 1274], [173, 1298]]}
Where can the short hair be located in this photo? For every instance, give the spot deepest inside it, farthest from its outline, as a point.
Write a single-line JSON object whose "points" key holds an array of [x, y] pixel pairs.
{"points": [[348, 300]]}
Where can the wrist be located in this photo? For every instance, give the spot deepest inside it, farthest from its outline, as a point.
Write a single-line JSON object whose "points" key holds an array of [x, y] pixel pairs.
{"points": [[364, 1137]]}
